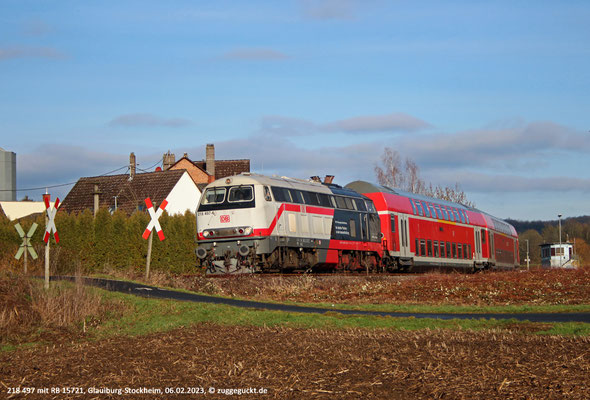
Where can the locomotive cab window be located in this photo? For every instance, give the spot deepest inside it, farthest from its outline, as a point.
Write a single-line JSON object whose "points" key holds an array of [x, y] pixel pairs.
{"points": [[267, 196], [214, 196], [240, 193]]}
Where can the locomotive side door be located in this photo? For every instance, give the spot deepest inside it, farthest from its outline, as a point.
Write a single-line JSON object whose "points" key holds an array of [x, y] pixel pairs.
{"points": [[404, 236]]}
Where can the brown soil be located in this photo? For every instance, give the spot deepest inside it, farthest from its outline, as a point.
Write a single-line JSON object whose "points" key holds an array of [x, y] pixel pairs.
{"points": [[319, 364]]}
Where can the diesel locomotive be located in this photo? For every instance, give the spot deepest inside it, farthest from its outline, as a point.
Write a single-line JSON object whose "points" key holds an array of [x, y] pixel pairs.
{"points": [[252, 223]]}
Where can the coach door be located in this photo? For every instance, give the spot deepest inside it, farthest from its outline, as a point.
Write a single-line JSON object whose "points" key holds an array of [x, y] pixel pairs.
{"points": [[477, 244], [492, 247], [404, 236]]}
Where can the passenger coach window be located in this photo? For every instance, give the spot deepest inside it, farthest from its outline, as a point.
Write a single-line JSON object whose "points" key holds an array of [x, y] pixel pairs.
{"points": [[426, 212], [419, 207], [451, 217], [438, 211], [413, 206], [214, 195], [240, 193]]}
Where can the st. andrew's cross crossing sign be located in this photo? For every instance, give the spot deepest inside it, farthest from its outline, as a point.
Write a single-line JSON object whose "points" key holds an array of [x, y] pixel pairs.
{"points": [[155, 215], [50, 219], [26, 244]]}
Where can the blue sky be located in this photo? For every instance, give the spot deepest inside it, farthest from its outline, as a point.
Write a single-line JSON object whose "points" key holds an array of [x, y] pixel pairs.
{"points": [[494, 95]]}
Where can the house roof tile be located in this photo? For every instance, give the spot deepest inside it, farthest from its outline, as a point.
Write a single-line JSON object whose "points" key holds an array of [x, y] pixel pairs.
{"points": [[130, 193]]}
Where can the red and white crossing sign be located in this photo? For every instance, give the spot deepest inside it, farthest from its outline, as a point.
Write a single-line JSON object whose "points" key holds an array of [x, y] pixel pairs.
{"points": [[155, 215], [50, 218]]}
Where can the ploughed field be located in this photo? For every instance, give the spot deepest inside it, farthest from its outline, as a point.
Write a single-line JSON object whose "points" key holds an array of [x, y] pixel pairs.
{"points": [[537, 287], [325, 364]]}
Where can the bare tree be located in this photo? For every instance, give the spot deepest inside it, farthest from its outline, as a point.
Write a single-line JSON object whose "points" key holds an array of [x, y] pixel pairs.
{"points": [[391, 174]]}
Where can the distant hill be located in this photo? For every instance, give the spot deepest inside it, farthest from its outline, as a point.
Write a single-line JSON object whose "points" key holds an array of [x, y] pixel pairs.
{"points": [[523, 226]]}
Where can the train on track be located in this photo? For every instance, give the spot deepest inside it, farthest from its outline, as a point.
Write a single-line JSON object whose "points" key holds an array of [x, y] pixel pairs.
{"points": [[252, 223]]}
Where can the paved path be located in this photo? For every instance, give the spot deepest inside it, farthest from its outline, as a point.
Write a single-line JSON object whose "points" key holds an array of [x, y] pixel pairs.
{"points": [[154, 292]]}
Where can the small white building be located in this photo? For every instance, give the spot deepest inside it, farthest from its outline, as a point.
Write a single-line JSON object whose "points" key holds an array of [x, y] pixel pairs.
{"points": [[555, 255], [19, 209]]}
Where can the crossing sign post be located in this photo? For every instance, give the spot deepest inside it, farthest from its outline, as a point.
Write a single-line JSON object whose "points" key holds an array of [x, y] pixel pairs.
{"points": [[148, 234], [49, 228], [26, 247]]}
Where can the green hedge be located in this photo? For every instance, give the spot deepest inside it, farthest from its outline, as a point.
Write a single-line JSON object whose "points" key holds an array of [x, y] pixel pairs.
{"points": [[109, 241]]}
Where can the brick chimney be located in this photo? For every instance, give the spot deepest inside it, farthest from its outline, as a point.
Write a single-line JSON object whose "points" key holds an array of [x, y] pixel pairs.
{"points": [[168, 160], [210, 160], [132, 166]]}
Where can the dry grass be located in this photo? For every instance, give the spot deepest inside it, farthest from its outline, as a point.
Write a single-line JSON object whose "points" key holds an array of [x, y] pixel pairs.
{"points": [[537, 287], [28, 312]]}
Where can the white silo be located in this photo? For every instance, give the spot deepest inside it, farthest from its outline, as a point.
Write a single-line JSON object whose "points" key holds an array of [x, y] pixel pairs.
{"points": [[7, 175]]}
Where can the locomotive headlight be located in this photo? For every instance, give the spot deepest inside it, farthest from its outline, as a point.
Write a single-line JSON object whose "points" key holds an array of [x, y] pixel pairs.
{"points": [[206, 233]]}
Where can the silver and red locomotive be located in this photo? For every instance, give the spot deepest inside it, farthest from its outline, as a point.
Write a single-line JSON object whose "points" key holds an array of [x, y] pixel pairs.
{"points": [[254, 223]]}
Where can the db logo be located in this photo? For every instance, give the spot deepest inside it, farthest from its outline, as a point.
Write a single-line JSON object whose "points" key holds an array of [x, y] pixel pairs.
{"points": [[224, 219]]}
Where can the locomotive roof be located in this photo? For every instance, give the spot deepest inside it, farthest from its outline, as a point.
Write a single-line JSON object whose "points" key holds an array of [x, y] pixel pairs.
{"points": [[248, 178]]}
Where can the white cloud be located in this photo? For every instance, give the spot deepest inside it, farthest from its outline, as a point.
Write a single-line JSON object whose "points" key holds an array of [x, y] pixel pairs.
{"points": [[37, 28], [386, 123], [148, 120], [529, 144], [255, 54], [329, 9], [394, 122], [8, 53]]}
